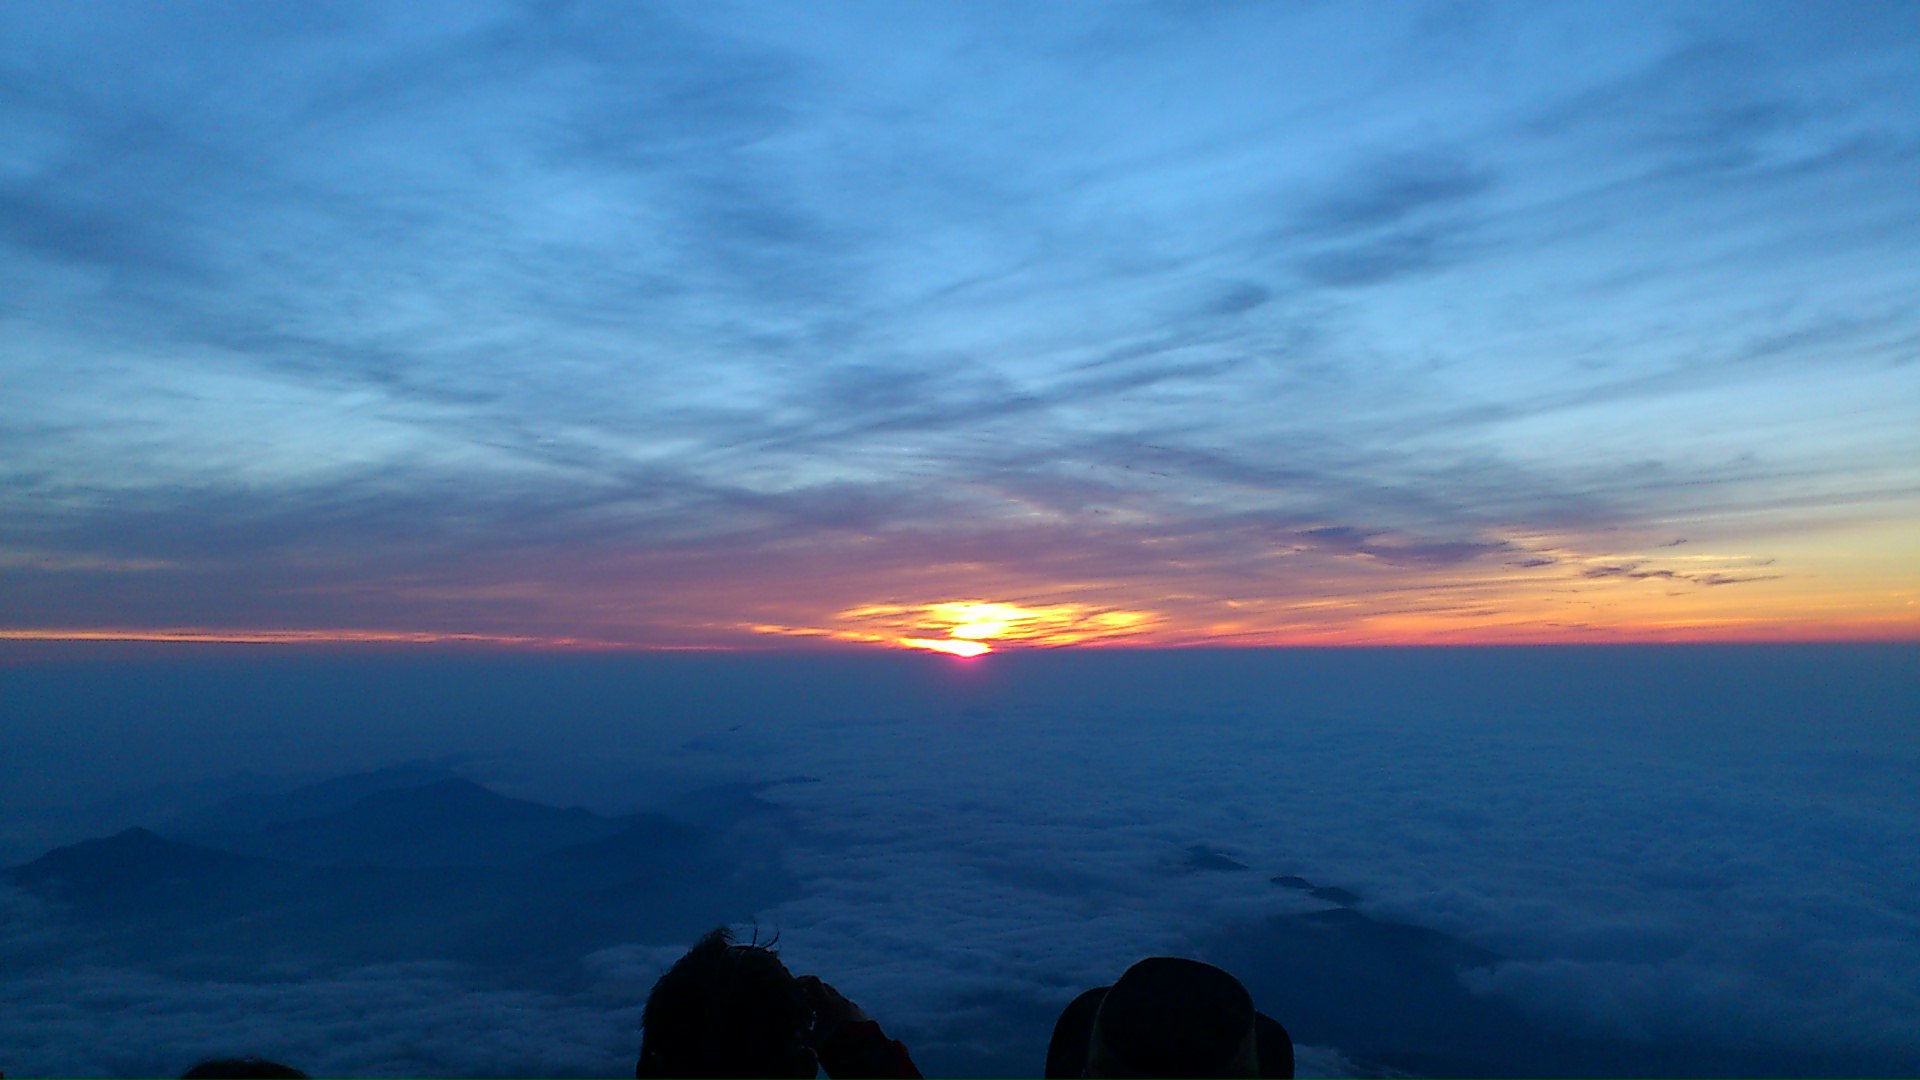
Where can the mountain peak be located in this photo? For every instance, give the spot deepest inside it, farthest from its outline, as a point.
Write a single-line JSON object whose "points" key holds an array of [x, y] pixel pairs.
{"points": [[131, 858], [453, 789], [449, 822], [134, 835]]}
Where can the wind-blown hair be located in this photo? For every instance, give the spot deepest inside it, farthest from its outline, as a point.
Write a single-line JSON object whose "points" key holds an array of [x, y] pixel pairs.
{"points": [[726, 1010]]}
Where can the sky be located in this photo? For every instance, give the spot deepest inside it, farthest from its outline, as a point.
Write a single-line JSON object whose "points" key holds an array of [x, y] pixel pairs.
{"points": [[970, 325]]}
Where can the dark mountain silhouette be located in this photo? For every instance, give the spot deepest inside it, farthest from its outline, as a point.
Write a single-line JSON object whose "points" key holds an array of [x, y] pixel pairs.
{"points": [[657, 880], [1332, 894], [139, 897], [739, 805], [642, 841], [448, 822], [251, 812], [446, 869], [163, 806], [1202, 857], [131, 868]]}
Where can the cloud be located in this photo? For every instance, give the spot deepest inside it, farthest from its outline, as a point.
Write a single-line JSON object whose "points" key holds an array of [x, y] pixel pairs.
{"points": [[26, 929], [1347, 540], [1703, 108], [1636, 571], [1389, 219], [1381, 194], [986, 840], [397, 1020], [63, 1015], [1731, 579], [658, 326], [465, 299], [1376, 261], [1040, 890]]}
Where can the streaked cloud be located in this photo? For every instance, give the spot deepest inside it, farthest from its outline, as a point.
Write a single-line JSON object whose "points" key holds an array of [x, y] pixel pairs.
{"points": [[463, 322]]}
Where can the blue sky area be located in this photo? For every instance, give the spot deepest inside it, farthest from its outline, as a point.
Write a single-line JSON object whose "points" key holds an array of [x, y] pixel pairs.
{"points": [[734, 324]]}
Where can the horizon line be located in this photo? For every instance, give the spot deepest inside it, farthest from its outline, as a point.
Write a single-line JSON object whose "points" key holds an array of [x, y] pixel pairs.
{"points": [[350, 637]]}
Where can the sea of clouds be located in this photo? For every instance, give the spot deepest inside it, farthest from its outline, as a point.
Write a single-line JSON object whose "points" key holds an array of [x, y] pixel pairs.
{"points": [[1711, 848]]}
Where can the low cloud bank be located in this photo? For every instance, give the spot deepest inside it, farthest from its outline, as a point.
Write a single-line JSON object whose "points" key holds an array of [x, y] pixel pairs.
{"points": [[1642, 870], [399, 1020]]}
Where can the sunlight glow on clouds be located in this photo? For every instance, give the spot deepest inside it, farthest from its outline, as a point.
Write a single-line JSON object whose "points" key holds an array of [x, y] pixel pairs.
{"points": [[982, 622], [1274, 322], [976, 627]]}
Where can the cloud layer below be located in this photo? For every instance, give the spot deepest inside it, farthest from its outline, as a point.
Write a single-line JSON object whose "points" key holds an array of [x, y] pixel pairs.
{"points": [[1695, 851]]}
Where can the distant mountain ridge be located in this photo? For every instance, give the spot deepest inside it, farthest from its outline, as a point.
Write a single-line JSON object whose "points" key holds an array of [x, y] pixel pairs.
{"points": [[130, 860], [446, 868], [254, 811], [443, 823]]}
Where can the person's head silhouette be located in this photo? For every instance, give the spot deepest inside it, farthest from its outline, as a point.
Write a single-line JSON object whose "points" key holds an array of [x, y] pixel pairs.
{"points": [[249, 1068], [1167, 1016], [726, 1010]]}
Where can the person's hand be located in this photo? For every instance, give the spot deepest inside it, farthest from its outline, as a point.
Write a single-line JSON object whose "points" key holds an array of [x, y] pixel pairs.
{"points": [[830, 1007]]}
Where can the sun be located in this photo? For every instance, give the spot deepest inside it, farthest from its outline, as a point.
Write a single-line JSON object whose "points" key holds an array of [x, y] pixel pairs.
{"points": [[975, 627], [956, 646]]}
